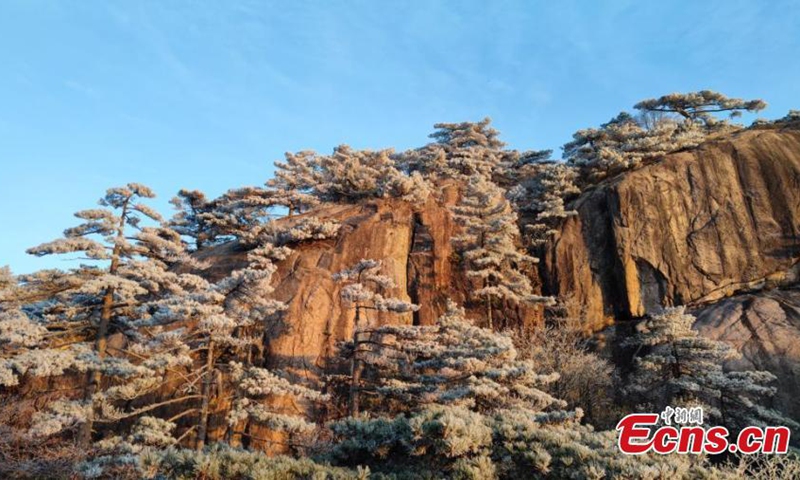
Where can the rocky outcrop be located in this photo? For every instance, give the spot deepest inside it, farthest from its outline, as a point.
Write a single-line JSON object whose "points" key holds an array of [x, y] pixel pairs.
{"points": [[765, 329], [414, 244], [693, 227]]}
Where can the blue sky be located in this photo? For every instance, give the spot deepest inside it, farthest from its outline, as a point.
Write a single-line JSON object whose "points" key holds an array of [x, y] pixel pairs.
{"points": [[202, 94]]}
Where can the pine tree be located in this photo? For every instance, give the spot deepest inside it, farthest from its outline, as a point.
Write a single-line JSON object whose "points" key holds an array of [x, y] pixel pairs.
{"points": [[469, 148], [626, 141], [350, 175], [192, 218], [700, 106], [682, 366], [101, 299], [488, 246], [450, 363], [218, 320], [256, 390], [240, 213], [622, 144], [363, 289], [295, 181], [542, 190]]}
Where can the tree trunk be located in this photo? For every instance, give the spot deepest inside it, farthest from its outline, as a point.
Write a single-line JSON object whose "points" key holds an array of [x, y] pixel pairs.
{"points": [[490, 321], [94, 378], [202, 428], [356, 368]]}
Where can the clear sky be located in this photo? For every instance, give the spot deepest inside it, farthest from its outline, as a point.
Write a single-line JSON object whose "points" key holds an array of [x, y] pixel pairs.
{"points": [[206, 94]]}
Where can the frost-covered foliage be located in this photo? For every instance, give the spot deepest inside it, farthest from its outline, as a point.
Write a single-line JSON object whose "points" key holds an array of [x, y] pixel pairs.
{"points": [[680, 366], [623, 143], [450, 363], [454, 442], [352, 175], [667, 124], [239, 211], [220, 462], [541, 190], [585, 379], [257, 393], [294, 182], [90, 304], [700, 106], [287, 233], [220, 319], [460, 149], [364, 288], [791, 119], [192, 218], [443, 442], [488, 246], [17, 329]]}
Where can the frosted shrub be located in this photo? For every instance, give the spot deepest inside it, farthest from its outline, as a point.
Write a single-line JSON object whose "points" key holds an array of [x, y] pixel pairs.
{"points": [[450, 363]]}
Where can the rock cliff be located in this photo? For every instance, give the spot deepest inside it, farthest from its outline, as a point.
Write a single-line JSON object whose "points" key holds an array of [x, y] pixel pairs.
{"points": [[716, 227], [690, 228], [414, 244]]}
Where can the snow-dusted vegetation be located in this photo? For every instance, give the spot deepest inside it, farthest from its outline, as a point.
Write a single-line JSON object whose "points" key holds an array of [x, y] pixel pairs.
{"points": [[145, 362]]}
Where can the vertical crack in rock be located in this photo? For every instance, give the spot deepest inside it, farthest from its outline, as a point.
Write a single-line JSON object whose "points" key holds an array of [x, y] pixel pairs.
{"points": [[420, 265], [652, 286]]}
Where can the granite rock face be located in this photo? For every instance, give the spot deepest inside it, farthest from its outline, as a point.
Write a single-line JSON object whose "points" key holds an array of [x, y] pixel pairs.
{"points": [[716, 228], [691, 228], [765, 329], [414, 244]]}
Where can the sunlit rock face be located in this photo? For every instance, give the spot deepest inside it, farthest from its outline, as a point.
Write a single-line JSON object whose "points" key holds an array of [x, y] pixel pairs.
{"points": [[690, 228]]}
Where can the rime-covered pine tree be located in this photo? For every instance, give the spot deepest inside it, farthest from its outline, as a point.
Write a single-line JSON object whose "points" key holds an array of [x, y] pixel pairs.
{"points": [[622, 144], [295, 180], [542, 189], [450, 363], [682, 366], [488, 246], [460, 149], [192, 218], [89, 304], [214, 320], [257, 390], [240, 213], [700, 106], [350, 175], [364, 288], [666, 124]]}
